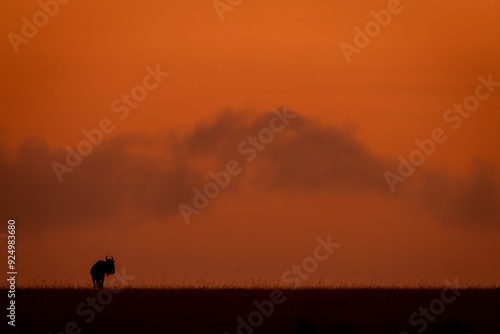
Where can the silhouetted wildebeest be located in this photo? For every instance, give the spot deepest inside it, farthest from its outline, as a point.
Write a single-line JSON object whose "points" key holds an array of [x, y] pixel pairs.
{"points": [[101, 268]]}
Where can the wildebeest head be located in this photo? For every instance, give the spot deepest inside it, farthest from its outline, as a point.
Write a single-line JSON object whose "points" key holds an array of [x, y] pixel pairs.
{"points": [[111, 266]]}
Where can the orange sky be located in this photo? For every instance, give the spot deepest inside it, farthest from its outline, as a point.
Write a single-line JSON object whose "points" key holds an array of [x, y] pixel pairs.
{"points": [[322, 175]]}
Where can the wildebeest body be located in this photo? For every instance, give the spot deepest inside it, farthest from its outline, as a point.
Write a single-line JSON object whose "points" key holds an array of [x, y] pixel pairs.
{"points": [[100, 269]]}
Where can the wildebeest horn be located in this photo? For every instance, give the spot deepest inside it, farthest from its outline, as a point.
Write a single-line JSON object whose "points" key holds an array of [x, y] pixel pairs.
{"points": [[106, 257], [112, 258]]}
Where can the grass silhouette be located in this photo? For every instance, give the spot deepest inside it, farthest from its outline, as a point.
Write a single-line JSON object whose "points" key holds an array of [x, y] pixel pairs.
{"points": [[214, 307]]}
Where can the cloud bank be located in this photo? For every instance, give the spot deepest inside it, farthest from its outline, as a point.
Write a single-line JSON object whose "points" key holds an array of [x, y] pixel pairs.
{"points": [[151, 176]]}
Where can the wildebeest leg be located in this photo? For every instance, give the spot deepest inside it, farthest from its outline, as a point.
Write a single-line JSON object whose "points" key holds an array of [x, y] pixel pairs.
{"points": [[93, 281]]}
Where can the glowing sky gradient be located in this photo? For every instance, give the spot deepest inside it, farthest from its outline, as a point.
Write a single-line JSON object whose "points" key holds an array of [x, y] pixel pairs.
{"points": [[322, 175]]}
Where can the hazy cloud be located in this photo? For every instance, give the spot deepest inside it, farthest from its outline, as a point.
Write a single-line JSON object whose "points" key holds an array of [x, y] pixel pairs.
{"points": [[152, 175], [472, 200]]}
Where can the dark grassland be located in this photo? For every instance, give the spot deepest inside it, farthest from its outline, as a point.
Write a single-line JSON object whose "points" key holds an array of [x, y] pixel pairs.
{"points": [[216, 311]]}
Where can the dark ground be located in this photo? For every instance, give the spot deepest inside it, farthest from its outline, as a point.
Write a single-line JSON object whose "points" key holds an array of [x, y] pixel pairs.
{"points": [[216, 311]]}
